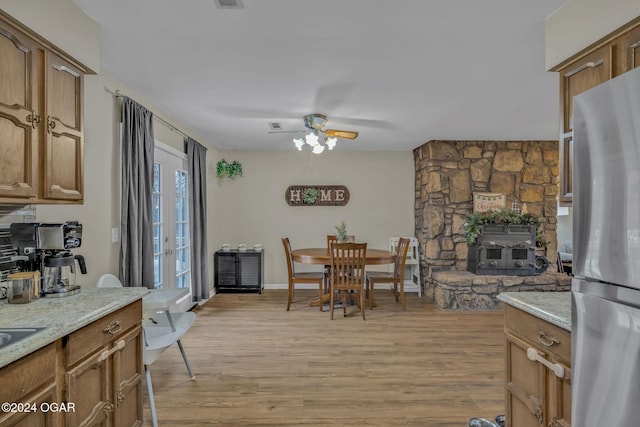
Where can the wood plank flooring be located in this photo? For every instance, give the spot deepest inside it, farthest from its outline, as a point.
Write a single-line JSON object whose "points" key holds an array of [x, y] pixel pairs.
{"points": [[258, 365]]}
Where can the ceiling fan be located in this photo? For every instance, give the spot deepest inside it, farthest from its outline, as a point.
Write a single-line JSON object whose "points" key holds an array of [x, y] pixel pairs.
{"points": [[315, 131]]}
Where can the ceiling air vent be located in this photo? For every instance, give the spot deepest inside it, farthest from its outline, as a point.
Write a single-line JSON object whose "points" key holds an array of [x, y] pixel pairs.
{"points": [[229, 4], [274, 126]]}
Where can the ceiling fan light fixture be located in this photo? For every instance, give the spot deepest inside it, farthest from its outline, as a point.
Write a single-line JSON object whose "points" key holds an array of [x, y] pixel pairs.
{"points": [[331, 142], [299, 142], [317, 149], [312, 139]]}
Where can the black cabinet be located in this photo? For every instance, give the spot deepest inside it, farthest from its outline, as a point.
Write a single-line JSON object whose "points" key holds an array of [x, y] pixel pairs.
{"points": [[236, 271]]}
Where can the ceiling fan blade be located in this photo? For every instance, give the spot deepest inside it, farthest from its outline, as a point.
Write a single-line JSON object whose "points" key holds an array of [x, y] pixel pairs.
{"points": [[347, 134], [331, 96], [369, 123], [288, 131]]}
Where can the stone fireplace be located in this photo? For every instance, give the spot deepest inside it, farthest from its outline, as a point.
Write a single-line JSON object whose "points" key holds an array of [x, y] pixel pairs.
{"points": [[447, 175]]}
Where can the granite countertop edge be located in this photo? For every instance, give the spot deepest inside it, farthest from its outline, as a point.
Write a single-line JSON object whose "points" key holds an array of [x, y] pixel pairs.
{"points": [[60, 317], [554, 307]]}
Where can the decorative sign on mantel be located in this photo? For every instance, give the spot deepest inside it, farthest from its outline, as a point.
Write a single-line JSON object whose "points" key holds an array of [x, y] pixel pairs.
{"points": [[317, 195], [484, 202]]}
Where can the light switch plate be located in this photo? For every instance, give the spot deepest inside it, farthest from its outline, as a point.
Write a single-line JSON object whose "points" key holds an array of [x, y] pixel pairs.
{"points": [[115, 235]]}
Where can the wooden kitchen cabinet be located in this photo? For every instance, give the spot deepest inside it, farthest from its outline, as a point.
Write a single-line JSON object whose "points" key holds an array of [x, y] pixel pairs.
{"points": [[103, 377], [609, 57], [632, 47], [41, 120], [20, 113], [63, 155], [31, 381], [538, 371]]}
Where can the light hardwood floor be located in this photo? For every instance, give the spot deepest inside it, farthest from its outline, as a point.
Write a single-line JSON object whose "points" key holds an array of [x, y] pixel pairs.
{"points": [[258, 365]]}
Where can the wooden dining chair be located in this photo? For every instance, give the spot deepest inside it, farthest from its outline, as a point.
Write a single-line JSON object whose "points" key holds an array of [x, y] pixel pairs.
{"points": [[294, 277], [347, 274], [396, 278], [332, 238]]}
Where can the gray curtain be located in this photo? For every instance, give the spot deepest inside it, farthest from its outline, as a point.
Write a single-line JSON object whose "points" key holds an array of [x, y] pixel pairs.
{"points": [[136, 225], [197, 166]]}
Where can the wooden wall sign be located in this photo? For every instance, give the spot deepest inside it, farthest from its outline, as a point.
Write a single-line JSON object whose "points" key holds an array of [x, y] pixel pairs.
{"points": [[317, 195], [484, 202]]}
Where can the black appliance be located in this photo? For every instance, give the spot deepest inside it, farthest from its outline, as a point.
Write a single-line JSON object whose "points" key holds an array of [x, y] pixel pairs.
{"points": [[506, 249]]}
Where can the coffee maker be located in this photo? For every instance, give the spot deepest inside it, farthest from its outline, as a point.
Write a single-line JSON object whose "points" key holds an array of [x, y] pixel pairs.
{"points": [[58, 263], [46, 247]]}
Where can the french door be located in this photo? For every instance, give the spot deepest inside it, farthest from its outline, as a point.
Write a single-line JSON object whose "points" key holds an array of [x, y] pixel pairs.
{"points": [[171, 238]]}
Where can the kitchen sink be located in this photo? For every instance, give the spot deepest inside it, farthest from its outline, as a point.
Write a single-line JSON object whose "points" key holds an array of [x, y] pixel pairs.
{"points": [[9, 336]]}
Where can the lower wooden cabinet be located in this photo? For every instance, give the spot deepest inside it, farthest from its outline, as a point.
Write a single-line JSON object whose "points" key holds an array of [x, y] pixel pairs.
{"points": [[31, 383], [92, 377], [104, 371], [538, 371]]}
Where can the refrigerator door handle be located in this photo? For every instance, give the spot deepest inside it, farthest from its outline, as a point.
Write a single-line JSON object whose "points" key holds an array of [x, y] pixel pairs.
{"points": [[557, 369]]}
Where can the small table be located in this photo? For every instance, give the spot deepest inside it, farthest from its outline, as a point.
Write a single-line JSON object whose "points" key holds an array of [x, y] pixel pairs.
{"points": [[322, 256]]}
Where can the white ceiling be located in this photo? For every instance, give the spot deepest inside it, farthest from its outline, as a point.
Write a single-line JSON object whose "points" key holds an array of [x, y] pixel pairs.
{"points": [[400, 72]]}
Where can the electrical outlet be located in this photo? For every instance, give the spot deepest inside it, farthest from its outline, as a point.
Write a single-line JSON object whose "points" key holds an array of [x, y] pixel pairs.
{"points": [[115, 235]]}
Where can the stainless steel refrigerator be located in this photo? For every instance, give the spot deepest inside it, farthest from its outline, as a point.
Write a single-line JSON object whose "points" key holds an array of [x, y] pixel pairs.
{"points": [[606, 259]]}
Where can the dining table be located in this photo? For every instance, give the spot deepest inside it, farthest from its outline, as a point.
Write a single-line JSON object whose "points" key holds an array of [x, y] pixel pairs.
{"points": [[322, 256]]}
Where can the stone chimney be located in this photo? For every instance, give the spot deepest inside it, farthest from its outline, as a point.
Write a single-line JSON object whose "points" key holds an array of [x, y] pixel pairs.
{"points": [[449, 172]]}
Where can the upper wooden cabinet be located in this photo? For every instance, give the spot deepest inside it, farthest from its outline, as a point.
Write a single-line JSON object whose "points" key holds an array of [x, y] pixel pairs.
{"points": [[41, 120], [20, 113], [632, 45], [63, 148], [613, 55]]}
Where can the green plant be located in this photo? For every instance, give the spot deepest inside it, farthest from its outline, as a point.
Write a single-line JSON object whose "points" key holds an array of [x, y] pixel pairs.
{"points": [[310, 196], [231, 170], [475, 221], [341, 232]]}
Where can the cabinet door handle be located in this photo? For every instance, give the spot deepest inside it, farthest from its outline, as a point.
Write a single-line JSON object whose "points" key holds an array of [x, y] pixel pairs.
{"points": [[547, 340], [113, 328], [51, 124], [558, 423], [105, 354], [108, 408], [121, 397], [592, 64], [34, 119], [557, 368]]}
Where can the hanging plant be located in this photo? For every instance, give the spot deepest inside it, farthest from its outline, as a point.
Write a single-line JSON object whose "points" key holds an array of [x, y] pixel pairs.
{"points": [[231, 170]]}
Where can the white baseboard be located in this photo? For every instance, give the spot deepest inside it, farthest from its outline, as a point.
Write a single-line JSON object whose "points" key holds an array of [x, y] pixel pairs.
{"points": [[312, 286]]}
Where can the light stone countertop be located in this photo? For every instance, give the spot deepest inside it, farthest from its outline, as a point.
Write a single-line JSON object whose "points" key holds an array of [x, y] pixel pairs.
{"points": [[554, 307], [60, 316]]}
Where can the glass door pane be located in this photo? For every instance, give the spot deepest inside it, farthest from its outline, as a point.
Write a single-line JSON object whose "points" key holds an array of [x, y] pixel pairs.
{"points": [[172, 247]]}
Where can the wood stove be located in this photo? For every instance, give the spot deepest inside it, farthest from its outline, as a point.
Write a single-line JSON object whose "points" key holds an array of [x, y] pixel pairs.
{"points": [[506, 249]]}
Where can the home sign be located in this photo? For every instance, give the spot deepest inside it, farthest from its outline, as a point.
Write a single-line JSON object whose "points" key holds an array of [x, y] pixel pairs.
{"points": [[317, 195]]}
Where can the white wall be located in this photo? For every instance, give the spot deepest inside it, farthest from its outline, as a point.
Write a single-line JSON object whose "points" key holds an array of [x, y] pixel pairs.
{"points": [[252, 209], [580, 23]]}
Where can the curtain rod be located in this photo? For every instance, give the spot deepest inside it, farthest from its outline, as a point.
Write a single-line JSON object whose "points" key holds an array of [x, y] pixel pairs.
{"points": [[119, 94]]}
